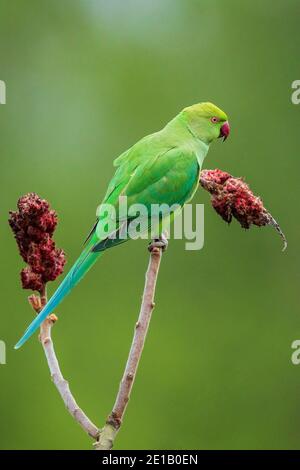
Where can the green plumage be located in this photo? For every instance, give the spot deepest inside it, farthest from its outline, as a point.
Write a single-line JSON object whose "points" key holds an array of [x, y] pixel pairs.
{"points": [[161, 168]]}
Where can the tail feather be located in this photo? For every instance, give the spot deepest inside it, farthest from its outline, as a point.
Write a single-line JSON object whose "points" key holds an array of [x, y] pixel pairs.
{"points": [[76, 273]]}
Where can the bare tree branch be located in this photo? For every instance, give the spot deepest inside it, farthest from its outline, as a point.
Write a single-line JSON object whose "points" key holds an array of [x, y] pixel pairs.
{"points": [[108, 433], [33, 224], [60, 382], [105, 438]]}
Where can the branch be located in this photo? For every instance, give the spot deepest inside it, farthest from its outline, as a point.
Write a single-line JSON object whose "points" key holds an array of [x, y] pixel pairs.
{"points": [[34, 223], [60, 382], [108, 433]]}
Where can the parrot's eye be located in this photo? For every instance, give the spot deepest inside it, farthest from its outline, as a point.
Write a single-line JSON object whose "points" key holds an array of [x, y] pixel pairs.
{"points": [[214, 119]]}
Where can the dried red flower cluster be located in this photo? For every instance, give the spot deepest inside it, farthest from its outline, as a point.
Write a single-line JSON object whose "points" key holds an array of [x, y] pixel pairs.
{"points": [[33, 226], [232, 197]]}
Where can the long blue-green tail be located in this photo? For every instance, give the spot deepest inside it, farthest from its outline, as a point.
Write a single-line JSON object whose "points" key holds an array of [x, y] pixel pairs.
{"points": [[76, 273]]}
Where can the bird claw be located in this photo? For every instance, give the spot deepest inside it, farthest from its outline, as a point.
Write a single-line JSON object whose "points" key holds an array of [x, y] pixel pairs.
{"points": [[159, 242]]}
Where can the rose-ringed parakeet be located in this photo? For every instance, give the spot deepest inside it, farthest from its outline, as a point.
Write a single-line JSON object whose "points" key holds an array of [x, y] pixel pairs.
{"points": [[161, 168]]}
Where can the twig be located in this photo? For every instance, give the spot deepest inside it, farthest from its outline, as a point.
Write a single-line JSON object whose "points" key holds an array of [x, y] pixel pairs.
{"points": [[104, 438], [60, 382], [108, 433], [33, 225]]}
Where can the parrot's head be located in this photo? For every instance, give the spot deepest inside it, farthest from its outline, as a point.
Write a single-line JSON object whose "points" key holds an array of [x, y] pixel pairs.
{"points": [[207, 122]]}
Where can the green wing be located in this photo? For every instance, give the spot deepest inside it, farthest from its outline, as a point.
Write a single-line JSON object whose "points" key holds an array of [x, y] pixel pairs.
{"points": [[142, 153], [168, 177]]}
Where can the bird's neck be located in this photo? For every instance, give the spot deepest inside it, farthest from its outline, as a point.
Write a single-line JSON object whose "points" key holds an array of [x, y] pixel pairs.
{"points": [[182, 134]]}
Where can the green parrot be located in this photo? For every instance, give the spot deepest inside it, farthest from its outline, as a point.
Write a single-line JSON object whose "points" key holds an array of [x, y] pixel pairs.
{"points": [[161, 169]]}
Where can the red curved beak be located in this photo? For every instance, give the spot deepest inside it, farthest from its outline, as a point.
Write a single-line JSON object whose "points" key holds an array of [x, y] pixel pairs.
{"points": [[225, 130]]}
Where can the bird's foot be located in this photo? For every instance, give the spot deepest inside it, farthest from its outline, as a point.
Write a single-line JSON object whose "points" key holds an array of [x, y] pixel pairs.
{"points": [[160, 242]]}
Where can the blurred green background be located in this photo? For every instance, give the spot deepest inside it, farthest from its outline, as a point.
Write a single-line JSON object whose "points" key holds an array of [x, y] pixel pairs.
{"points": [[85, 80]]}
